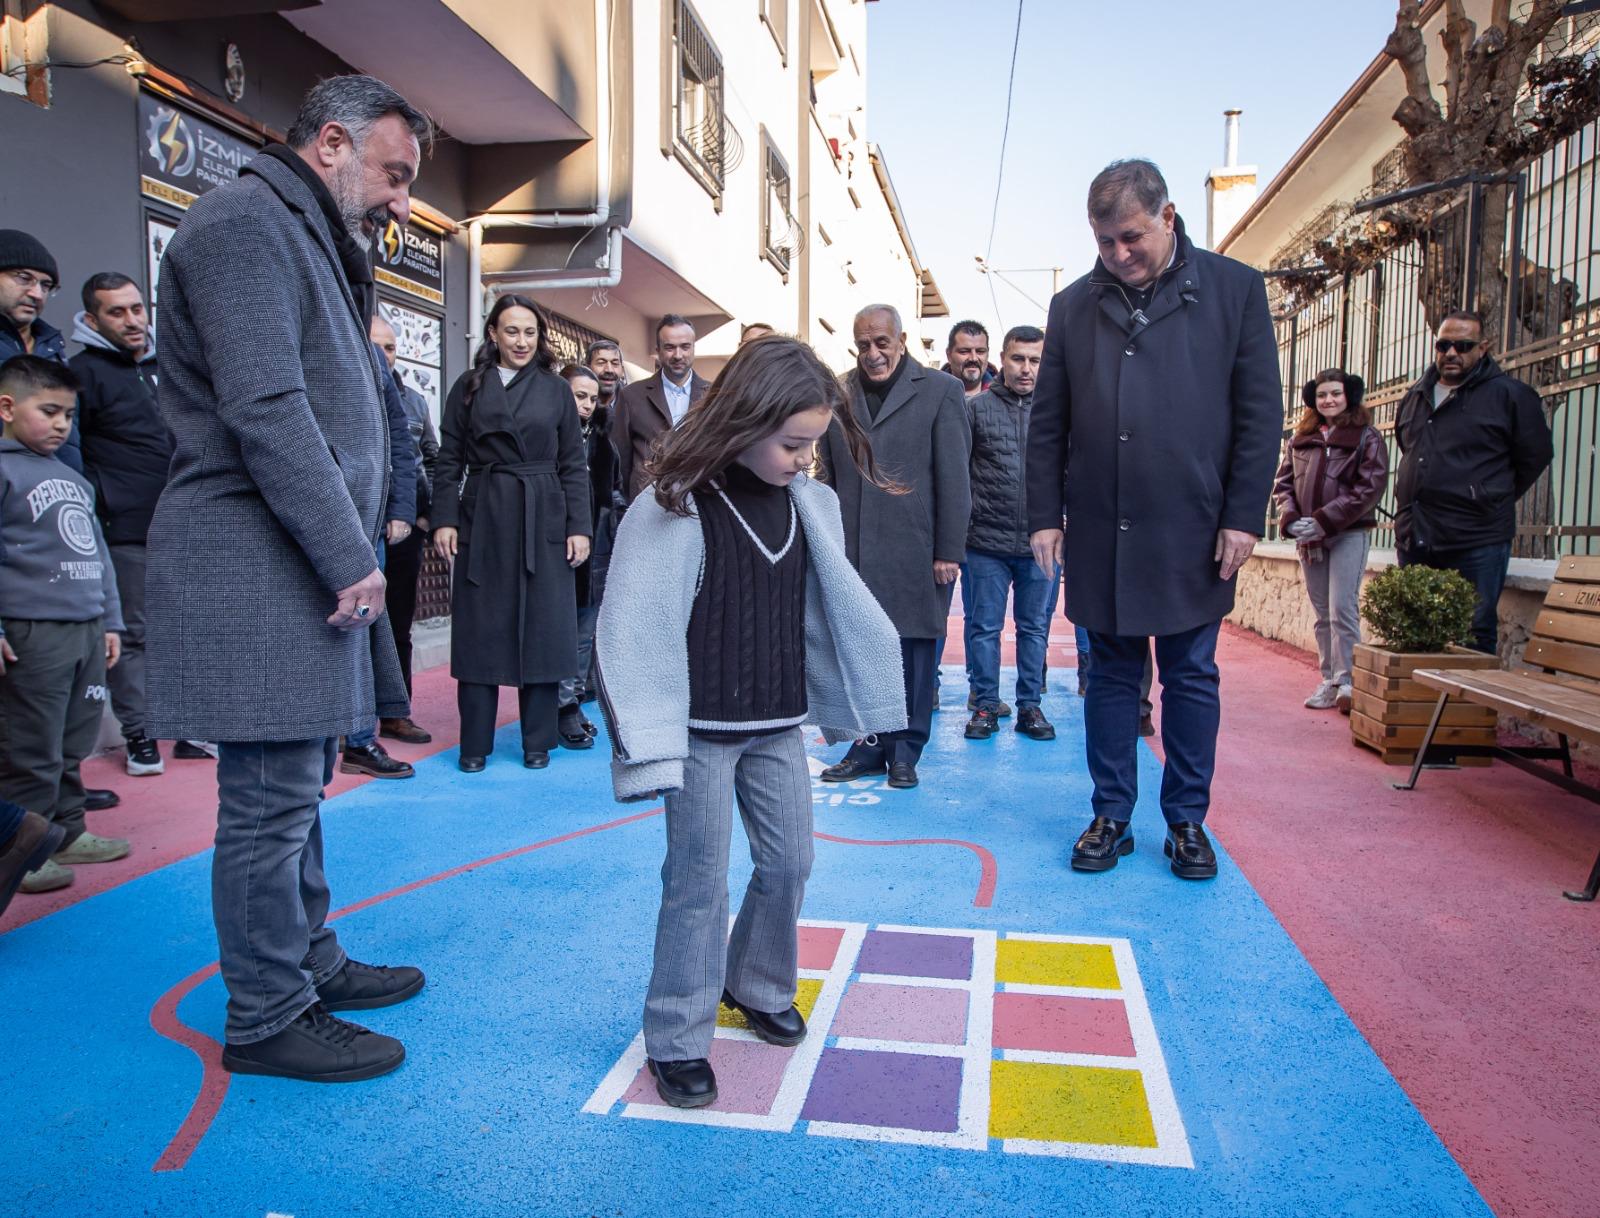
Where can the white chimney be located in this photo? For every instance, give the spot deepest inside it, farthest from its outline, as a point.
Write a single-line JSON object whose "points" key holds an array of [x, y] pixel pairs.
{"points": [[1231, 187]]}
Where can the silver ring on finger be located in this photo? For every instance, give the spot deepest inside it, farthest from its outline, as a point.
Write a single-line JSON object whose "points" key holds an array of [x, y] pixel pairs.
{"points": [[363, 610]]}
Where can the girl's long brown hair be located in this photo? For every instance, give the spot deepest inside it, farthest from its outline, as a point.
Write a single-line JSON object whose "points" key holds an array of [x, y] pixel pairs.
{"points": [[766, 381], [1355, 390]]}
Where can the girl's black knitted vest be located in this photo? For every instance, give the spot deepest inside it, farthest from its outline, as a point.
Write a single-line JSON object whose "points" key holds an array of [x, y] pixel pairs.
{"points": [[747, 630]]}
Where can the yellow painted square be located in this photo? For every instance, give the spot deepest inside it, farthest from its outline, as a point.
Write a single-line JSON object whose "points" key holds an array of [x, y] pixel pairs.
{"points": [[1040, 1102], [806, 995], [1030, 962]]}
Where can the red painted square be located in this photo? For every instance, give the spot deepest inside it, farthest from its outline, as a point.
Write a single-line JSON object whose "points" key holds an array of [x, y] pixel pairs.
{"points": [[818, 946], [1050, 1023]]}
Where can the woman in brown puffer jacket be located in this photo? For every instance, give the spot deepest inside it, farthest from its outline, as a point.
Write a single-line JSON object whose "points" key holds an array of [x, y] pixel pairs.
{"points": [[1332, 476]]}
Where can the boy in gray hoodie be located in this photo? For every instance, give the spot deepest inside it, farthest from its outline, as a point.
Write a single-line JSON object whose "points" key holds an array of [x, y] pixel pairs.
{"points": [[59, 616]]}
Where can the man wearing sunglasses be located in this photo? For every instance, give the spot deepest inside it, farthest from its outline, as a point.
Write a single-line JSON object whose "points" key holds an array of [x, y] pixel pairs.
{"points": [[1472, 440], [28, 278]]}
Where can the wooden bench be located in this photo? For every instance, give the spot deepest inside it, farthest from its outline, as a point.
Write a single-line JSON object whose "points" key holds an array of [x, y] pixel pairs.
{"points": [[1561, 695]]}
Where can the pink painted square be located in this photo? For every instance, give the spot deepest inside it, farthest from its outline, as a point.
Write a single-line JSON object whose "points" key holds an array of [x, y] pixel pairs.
{"points": [[1056, 1024], [818, 946], [748, 1077], [907, 1013]]}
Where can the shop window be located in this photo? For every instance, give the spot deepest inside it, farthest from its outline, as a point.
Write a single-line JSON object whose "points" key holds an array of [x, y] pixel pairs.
{"points": [[775, 15], [699, 122], [779, 232]]}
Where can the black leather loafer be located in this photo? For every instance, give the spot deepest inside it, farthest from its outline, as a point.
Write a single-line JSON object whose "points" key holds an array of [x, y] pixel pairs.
{"points": [[97, 799], [849, 770], [1190, 851], [690, 1084], [776, 1028], [533, 759], [574, 733], [902, 776], [361, 987], [471, 765], [1102, 844]]}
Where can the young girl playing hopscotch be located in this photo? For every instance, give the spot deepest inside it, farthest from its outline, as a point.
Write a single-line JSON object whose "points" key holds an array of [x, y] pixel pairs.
{"points": [[731, 616]]}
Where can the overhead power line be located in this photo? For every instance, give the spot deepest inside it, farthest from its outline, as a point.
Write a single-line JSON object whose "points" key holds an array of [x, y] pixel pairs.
{"points": [[1000, 177]]}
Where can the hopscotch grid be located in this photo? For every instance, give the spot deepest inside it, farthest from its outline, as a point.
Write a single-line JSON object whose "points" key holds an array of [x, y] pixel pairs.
{"points": [[977, 1054]]}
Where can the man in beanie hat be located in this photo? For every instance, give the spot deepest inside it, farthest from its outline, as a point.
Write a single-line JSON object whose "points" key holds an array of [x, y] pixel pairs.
{"points": [[28, 277]]}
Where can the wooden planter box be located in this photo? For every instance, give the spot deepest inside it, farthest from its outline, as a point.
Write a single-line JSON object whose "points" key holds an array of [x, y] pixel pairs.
{"points": [[1390, 712]]}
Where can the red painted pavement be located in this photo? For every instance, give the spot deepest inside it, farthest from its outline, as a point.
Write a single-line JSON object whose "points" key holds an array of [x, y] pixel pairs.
{"points": [[171, 816]]}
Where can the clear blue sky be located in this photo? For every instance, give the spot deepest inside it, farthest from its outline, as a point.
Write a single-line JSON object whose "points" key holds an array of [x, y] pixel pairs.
{"points": [[1095, 81]]}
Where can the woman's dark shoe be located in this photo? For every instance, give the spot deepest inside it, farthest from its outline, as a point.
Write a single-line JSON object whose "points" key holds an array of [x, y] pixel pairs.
{"points": [[1032, 724], [574, 732], [902, 776], [1190, 851], [317, 1048], [361, 987], [690, 1084], [849, 770], [98, 799], [780, 1028], [471, 765], [533, 759], [1102, 844]]}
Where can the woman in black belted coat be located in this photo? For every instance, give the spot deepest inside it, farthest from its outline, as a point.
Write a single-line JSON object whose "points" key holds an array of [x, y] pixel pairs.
{"points": [[511, 509]]}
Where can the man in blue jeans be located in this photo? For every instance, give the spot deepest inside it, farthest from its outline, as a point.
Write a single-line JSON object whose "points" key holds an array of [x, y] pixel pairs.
{"points": [[1160, 384], [1472, 441], [999, 559]]}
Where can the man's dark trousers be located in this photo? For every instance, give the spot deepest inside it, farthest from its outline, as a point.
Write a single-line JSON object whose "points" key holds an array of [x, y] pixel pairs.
{"points": [[893, 748], [268, 894], [1484, 567], [1191, 712], [126, 680], [400, 597]]}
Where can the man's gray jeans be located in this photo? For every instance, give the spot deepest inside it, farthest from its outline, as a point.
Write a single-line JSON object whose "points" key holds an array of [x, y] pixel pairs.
{"points": [[268, 894]]}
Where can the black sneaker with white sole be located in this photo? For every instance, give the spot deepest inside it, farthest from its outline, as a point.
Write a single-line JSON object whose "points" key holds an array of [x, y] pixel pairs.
{"points": [[144, 757]]}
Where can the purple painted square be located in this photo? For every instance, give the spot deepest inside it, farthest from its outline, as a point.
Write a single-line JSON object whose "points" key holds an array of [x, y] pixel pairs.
{"points": [[748, 1077], [902, 954], [903, 1012], [893, 1090]]}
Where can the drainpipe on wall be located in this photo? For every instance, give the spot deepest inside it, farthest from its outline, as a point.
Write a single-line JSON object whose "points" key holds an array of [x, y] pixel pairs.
{"points": [[611, 275]]}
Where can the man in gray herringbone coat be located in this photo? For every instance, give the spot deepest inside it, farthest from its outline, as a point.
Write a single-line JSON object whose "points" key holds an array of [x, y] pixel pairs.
{"points": [[266, 629]]}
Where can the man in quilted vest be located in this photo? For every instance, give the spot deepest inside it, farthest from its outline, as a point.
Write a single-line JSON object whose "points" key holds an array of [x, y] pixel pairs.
{"points": [[999, 559]]}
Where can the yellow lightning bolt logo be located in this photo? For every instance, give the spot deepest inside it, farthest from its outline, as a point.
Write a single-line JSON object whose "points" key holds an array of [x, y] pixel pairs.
{"points": [[173, 143], [391, 241]]}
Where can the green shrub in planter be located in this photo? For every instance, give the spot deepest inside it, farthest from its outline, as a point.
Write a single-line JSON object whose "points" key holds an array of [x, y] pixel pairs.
{"points": [[1419, 608]]}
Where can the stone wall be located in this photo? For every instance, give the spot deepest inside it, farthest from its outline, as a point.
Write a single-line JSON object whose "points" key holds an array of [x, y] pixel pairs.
{"points": [[1272, 602], [1272, 598]]}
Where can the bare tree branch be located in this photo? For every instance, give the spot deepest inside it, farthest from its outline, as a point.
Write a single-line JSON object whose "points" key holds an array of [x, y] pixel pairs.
{"points": [[1458, 35], [1405, 46]]}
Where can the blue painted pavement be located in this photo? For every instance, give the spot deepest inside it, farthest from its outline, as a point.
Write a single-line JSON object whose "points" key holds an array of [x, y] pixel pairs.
{"points": [[536, 974]]}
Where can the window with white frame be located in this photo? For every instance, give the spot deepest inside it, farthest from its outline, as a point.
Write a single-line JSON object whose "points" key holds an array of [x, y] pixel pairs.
{"points": [[699, 128], [778, 228]]}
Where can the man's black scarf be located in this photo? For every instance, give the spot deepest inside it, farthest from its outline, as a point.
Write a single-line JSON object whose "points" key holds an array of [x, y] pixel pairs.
{"points": [[355, 261]]}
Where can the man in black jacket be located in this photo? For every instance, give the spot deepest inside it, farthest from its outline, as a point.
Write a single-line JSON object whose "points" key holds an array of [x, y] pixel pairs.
{"points": [[126, 451], [1472, 441], [999, 559], [1160, 385]]}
